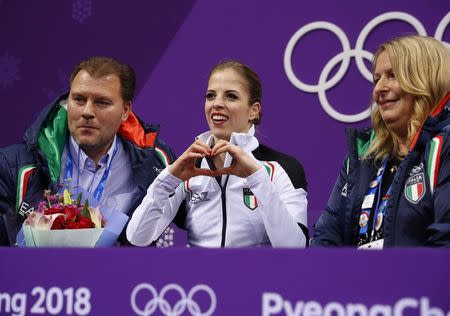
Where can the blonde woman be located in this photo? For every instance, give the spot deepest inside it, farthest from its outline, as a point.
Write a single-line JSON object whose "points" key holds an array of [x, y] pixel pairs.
{"points": [[394, 187]]}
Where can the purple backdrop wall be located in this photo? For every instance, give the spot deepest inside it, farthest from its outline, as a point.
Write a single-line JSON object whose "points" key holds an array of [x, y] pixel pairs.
{"points": [[194, 282], [173, 44]]}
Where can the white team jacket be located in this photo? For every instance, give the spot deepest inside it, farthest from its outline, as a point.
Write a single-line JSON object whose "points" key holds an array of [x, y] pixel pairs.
{"points": [[262, 209]]}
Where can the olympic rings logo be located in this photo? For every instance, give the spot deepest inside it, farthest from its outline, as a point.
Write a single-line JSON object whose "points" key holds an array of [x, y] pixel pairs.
{"points": [[185, 301], [344, 57]]}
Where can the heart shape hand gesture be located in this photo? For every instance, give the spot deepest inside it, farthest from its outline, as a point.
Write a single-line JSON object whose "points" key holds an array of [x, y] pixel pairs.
{"points": [[185, 167]]}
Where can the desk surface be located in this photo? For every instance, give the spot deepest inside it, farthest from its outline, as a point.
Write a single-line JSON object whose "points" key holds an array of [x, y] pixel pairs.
{"points": [[183, 281]]}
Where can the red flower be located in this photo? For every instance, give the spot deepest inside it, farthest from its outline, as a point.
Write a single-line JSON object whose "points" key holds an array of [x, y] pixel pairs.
{"points": [[54, 209], [85, 222], [72, 212], [58, 223], [72, 219], [80, 222]]}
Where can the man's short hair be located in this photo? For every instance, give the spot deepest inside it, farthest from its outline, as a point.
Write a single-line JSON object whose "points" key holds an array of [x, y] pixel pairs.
{"points": [[100, 66]]}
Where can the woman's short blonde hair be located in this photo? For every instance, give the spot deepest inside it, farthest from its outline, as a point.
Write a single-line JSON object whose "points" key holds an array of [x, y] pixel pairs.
{"points": [[421, 65]]}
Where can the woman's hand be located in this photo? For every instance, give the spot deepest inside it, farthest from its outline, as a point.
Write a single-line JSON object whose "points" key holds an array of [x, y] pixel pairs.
{"points": [[242, 166], [184, 167]]}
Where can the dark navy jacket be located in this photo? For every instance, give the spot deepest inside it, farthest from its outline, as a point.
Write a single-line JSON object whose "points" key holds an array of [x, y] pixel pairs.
{"points": [[148, 156], [420, 221]]}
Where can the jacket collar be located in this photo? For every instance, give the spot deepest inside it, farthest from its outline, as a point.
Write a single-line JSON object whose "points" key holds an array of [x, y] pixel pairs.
{"points": [[437, 122], [133, 129], [247, 141], [48, 134], [48, 114], [359, 140]]}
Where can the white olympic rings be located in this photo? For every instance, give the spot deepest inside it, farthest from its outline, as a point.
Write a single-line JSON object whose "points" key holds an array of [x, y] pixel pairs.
{"points": [[179, 307], [344, 57]]}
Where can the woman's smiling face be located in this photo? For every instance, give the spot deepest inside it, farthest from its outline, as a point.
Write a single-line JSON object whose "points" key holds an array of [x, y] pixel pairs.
{"points": [[227, 105], [394, 104]]}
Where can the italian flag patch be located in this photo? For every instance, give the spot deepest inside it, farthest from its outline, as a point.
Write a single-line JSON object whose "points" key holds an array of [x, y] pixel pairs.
{"points": [[415, 188], [249, 199]]}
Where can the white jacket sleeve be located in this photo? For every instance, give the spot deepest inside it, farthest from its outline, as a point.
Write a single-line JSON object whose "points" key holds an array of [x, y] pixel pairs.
{"points": [[281, 206], [157, 210]]}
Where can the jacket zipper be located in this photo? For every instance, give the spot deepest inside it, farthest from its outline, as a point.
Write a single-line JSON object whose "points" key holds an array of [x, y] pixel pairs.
{"points": [[223, 196], [224, 216]]}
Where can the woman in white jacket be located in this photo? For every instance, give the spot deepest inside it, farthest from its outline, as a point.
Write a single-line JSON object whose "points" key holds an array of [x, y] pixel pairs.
{"points": [[226, 189]]}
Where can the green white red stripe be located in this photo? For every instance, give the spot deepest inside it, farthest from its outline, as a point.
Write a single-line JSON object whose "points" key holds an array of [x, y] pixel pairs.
{"points": [[415, 191], [163, 155], [434, 159], [270, 168], [187, 189], [22, 183], [250, 201]]}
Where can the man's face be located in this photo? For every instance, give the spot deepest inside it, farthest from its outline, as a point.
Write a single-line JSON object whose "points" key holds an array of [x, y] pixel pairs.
{"points": [[95, 111]]}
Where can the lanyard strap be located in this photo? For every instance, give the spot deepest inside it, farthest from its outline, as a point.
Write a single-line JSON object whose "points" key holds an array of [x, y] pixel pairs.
{"points": [[98, 192], [380, 211], [366, 209]]}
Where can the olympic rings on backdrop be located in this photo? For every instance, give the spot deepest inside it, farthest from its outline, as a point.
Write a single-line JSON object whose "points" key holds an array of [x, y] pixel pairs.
{"points": [[358, 52], [185, 301]]}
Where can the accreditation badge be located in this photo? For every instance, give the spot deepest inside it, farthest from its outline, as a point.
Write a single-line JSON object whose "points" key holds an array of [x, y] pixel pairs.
{"points": [[379, 221], [363, 219], [374, 245], [373, 184]]}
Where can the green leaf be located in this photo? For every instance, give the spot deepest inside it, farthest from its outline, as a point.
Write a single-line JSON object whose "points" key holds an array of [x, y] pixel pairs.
{"points": [[67, 197], [85, 211], [80, 196]]}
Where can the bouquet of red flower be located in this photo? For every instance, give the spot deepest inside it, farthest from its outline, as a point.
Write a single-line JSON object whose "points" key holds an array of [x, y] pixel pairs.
{"points": [[62, 221]]}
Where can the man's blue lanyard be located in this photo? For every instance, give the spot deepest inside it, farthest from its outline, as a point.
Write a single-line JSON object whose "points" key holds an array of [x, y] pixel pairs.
{"points": [[69, 171], [369, 198]]}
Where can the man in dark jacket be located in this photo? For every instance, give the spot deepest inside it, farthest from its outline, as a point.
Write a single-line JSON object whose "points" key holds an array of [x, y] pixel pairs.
{"points": [[89, 137]]}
